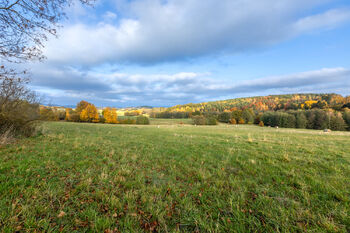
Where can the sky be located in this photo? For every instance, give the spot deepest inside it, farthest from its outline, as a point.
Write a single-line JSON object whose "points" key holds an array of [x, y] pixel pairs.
{"points": [[124, 53]]}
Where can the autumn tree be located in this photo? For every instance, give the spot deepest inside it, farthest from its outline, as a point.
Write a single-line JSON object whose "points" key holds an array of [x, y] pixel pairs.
{"points": [[110, 115], [81, 106], [89, 114]]}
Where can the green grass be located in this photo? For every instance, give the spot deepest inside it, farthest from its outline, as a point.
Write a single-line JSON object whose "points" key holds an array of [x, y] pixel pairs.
{"points": [[158, 121], [168, 178]]}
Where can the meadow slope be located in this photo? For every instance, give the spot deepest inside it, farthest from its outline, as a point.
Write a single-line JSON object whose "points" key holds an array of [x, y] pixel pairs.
{"points": [[170, 177]]}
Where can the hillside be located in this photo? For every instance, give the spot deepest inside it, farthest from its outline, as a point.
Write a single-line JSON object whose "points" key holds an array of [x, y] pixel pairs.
{"points": [[265, 103]]}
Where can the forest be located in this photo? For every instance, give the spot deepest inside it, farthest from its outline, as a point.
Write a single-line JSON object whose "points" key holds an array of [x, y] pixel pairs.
{"points": [[310, 111]]}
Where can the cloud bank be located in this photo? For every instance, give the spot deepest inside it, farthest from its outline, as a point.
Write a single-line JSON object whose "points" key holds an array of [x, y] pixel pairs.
{"points": [[155, 31], [121, 89]]}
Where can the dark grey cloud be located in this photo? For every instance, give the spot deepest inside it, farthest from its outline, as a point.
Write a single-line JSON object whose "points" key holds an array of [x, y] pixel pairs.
{"points": [[154, 31]]}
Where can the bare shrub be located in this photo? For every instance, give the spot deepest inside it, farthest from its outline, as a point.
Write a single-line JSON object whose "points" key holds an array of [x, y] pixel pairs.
{"points": [[19, 108], [6, 137]]}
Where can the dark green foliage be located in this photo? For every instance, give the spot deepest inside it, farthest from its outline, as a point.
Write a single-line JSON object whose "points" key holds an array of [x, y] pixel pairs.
{"points": [[142, 120], [286, 120], [211, 114], [237, 114], [281, 119], [346, 117], [224, 117], [317, 119], [170, 115], [311, 119], [248, 116], [337, 123], [257, 119], [196, 113], [301, 120], [270, 119]]}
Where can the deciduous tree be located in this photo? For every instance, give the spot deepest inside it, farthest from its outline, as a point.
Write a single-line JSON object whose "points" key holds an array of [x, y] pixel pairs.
{"points": [[110, 115], [89, 114]]}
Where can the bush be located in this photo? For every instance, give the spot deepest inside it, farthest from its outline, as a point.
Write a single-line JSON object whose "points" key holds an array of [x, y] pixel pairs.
{"points": [[142, 120], [47, 114], [212, 121], [22, 121], [199, 120], [261, 124], [19, 111]]}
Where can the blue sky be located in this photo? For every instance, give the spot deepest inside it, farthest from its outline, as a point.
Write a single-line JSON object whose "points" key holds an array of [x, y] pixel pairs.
{"points": [[161, 53]]}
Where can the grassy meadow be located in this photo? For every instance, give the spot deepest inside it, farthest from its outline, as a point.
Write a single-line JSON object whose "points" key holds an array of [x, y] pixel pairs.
{"points": [[174, 177]]}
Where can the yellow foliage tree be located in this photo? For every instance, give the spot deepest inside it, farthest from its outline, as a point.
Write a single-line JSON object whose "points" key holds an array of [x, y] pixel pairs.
{"points": [[110, 115], [309, 103], [89, 114]]}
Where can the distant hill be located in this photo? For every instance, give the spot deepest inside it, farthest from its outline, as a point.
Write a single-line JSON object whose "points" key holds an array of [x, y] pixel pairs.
{"points": [[271, 102]]}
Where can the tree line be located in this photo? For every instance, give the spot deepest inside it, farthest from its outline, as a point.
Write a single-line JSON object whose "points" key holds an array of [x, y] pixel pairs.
{"points": [[87, 112]]}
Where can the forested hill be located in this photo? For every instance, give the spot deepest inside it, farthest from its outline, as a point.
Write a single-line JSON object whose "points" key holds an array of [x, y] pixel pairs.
{"points": [[271, 102]]}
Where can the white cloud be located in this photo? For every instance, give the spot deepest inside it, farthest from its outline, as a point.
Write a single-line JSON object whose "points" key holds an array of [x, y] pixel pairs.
{"points": [[158, 31], [328, 20]]}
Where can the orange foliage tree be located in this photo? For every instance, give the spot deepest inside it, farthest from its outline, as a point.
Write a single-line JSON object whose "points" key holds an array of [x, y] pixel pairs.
{"points": [[89, 114], [81, 106], [110, 115]]}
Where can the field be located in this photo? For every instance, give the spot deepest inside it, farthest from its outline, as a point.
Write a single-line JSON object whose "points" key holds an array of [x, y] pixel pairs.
{"points": [[169, 177]]}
